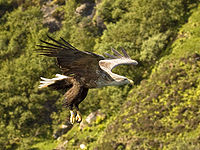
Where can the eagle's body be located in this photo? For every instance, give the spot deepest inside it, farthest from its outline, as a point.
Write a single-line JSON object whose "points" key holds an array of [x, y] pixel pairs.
{"points": [[82, 71]]}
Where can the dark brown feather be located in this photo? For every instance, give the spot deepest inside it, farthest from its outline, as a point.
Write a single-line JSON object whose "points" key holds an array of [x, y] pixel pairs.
{"points": [[70, 59], [110, 56], [72, 95], [125, 53], [67, 43], [116, 53]]}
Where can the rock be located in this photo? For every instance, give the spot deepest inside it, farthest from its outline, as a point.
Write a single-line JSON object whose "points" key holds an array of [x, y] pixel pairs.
{"points": [[92, 117], [99, 22], [49, 20], [62, 130], [96, 117], [62, 146], [83, 124], [85, 9], [82, 146]]}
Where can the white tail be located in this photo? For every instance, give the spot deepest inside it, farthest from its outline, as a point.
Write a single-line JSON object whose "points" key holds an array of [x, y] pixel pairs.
{"points": [[46, 82]]}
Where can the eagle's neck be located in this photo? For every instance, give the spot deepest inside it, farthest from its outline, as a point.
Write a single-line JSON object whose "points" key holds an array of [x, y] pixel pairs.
{"points": [[108, 78]]}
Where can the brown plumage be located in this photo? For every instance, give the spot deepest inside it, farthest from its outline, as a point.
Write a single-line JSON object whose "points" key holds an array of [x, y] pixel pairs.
{"points": [[82, 70]]}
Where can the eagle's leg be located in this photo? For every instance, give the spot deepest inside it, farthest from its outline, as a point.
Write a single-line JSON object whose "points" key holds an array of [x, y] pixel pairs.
{"points": [[72, 115], [78, 115], [80, 99]]}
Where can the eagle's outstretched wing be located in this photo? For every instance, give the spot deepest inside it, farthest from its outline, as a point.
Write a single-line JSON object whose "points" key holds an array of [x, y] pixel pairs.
{"points": [[70, 59], [116, 60]]}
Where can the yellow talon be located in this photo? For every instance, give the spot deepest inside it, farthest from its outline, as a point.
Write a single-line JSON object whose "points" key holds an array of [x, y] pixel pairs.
{"points": [[78, 117], [72, 117]]}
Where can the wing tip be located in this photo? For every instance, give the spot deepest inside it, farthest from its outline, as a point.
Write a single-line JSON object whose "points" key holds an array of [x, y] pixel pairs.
{"points": [[118, 55]]}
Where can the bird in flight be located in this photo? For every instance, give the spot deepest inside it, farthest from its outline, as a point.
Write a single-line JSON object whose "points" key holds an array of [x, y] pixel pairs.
{"points": [[82, 70]]}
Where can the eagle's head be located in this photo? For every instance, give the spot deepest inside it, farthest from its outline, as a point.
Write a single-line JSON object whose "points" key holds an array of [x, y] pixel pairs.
{"points": [[110, 78], [118, 80]]}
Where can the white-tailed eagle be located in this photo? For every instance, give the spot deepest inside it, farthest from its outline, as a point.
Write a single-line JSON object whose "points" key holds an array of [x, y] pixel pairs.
{"points": [[82, 70]]}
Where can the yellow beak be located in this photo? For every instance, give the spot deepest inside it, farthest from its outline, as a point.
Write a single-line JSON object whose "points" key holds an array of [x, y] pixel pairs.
{"points": [[131, 82]]}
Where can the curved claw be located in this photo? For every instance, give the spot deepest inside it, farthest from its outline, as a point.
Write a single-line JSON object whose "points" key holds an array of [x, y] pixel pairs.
{"points": [[78, 117], [72, 117]]}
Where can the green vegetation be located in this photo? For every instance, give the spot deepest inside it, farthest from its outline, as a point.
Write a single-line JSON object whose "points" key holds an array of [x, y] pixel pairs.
{"points": [[160, 112]]}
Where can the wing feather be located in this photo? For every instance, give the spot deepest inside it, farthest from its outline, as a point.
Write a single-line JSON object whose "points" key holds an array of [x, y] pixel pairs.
{"points": [[54, 46], [67, 43], [125, 53], [55, 41], [109, 64], [116, 53], [110, 56], [70, 59]]}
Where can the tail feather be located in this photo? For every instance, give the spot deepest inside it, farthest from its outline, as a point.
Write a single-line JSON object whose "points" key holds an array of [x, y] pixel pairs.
{"points": [[59, 82]]}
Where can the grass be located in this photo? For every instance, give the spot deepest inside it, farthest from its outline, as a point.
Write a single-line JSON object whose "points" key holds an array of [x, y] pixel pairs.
{"points": [[44, 145]]}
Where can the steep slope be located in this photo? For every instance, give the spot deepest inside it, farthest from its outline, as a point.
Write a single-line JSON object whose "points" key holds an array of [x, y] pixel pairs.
{"points": [[160, 113], [163, 111]]}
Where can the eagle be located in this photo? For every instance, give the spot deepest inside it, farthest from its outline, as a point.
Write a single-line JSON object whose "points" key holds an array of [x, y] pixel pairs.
{"points": [[81, 71]]}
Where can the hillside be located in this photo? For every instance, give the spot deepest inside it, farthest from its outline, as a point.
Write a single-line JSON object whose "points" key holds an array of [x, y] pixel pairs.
{"points": [[160, 112]]}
